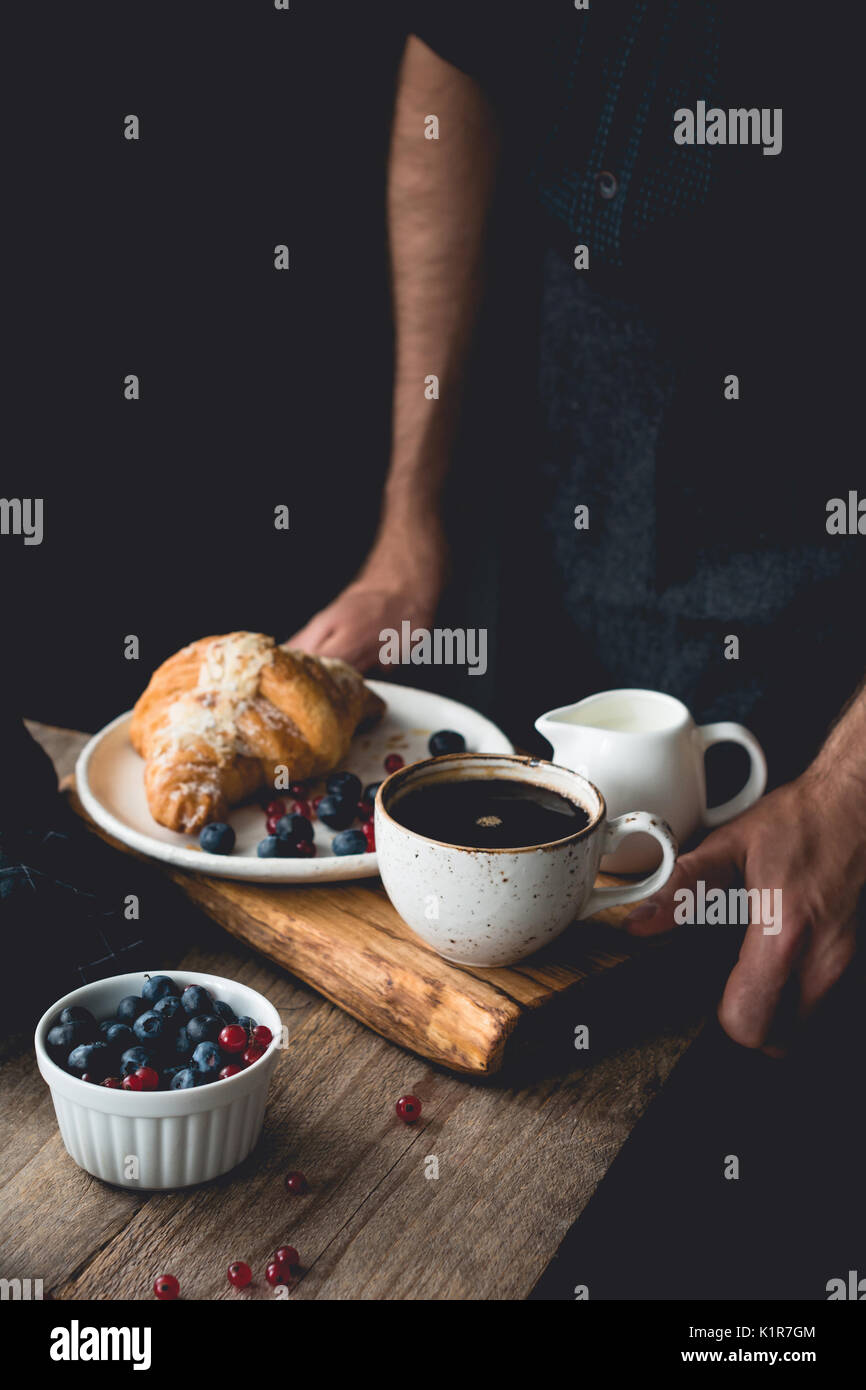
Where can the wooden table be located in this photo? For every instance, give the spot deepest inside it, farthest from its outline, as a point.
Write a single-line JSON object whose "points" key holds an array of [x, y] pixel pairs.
{"points": [[518, 1159]]}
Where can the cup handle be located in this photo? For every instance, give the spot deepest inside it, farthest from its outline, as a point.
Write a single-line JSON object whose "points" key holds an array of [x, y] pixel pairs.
{"points": [[757, 780], [614, 833]]}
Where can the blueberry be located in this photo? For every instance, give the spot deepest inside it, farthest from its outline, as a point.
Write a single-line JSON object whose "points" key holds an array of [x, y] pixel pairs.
{"points": [[77, 1014], [93, 1057], [204, 1028], [129, 1008], [169, 1006], [446, 741], [344, 785], [349, 842], [336, 812], [225, 1011], [370, 792], [168, 1074], [133, 1058], [248, 1023], [118, 1035], [217, 838], [294, 827], [150, 1027], [182, 1045], [183, 1079], [157, 987], [196, 1000], [207, 1060], [273, 847], [63, 1037]]}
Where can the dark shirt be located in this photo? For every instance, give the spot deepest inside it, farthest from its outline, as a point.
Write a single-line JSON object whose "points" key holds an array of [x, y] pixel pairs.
{"points": [[707, 515]]}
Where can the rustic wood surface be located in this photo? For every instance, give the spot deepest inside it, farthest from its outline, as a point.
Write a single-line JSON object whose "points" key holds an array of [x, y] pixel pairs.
{"points": [[347, 941], [518, 1157]]}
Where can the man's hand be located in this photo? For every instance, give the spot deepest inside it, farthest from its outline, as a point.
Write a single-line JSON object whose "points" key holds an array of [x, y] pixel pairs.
{"points": [[401, 580], [810, 842]]}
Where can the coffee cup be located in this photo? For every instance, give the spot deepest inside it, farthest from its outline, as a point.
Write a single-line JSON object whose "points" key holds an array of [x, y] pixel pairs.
{"points": [[493, 906], [643, 748]]}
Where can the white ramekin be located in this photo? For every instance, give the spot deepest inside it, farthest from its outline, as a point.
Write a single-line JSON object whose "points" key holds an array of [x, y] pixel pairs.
{"points": [[177, 1137]]}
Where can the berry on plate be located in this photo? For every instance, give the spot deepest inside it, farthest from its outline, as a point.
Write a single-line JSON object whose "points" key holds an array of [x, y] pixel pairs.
{"points": [[337, 812], [272, 847], [349, 842], [446, 741], [344, 785], [217, 838], [393, 762], [294, 827], [368, 830], [369, 792]]}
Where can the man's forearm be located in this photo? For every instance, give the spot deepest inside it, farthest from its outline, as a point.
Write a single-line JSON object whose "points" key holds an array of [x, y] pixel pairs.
{"points": [[841, 763], [439, 193]]}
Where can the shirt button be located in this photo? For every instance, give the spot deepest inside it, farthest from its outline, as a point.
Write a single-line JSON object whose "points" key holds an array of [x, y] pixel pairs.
{"points": [[607, 184]]}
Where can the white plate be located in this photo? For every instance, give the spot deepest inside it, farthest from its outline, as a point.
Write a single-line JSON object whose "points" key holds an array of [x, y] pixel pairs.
{"points": [[110, 778]]}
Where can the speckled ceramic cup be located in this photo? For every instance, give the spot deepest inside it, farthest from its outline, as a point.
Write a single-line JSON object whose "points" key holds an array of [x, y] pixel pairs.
{"points": [[492, 907]]}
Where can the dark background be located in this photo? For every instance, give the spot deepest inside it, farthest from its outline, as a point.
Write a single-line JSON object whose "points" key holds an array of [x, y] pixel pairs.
{"points": [[261, 388], [156, 257]]}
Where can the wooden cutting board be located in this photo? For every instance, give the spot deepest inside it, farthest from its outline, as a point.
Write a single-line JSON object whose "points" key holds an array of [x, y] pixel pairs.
{"points": [[346, 940]]}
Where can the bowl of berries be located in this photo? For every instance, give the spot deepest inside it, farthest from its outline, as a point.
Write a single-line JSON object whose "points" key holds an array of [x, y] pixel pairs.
{"points": [[159, 1080]]}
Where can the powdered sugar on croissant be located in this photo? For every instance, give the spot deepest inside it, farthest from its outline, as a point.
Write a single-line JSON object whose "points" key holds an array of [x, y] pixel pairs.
{"points": [[223, 714]]}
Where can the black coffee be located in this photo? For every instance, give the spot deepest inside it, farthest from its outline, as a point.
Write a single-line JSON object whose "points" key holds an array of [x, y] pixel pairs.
{"points": [[488, 813]]}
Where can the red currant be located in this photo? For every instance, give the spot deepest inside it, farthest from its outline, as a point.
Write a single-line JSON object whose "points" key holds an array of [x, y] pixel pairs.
{"points": [[303, 808], [286, 1257], [252, 1054], [408, 1108], [277, 1274], [239, 1274], [393, 762], [296, 1183], [275, 808], [304, 849], [112, 1082], [166, 1286], [271, 824], [85, 1076], [229, 1071], [143, 1079], [262, 1035], [365, 811], [233, 1038], [298, 791], [368, 830], [315, 802]]}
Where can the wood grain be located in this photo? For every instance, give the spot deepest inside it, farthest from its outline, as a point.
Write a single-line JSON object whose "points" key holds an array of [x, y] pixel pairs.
{"points": [[517, 1162], [348, 942]]}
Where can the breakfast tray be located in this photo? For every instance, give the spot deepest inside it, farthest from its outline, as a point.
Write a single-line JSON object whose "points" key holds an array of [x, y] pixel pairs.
{"points": [[347, 941]]}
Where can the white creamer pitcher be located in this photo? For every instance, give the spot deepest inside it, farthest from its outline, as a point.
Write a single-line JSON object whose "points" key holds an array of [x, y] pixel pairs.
{"points": [[643, 748]]}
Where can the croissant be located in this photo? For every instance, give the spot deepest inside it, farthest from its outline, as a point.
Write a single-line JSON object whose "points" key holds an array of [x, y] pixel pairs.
{"points": [[223, 714]]}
